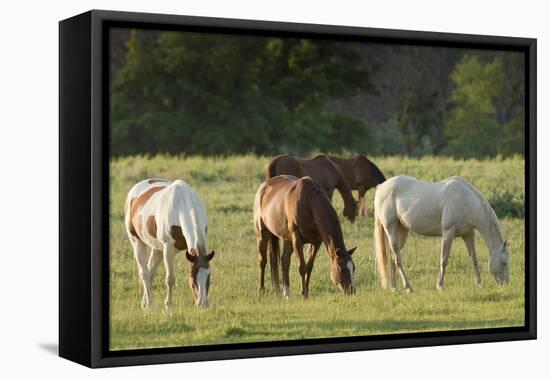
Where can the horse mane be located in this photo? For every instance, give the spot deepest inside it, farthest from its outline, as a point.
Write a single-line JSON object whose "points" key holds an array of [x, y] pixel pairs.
{"points": [[486, 206], [187, 194], [312, 184], [374, 168], [316, 192]]}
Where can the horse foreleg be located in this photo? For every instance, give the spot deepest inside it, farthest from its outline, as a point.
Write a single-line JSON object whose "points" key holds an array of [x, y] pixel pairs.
{"points": [[469, 240], [169, 253], [140, 254], [392, 231], [298, 247], [262, 259], [285, 262], [446, 242], [311, 259]]}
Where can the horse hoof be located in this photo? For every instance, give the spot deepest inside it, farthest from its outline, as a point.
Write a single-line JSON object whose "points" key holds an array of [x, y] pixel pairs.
{"points": [[409, 290]]}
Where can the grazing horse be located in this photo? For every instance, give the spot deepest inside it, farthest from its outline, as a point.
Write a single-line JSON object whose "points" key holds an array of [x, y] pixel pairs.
{"points": [[320, 168], [361, 174], [298, 211], [165, 218], [449, 208]]}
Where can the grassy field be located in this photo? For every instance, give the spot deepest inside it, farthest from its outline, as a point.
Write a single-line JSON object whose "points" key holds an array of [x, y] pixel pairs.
{"points": [[239, 314]]}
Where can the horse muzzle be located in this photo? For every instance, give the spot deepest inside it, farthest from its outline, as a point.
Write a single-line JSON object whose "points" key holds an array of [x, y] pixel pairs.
{"points": [[503, 281]]}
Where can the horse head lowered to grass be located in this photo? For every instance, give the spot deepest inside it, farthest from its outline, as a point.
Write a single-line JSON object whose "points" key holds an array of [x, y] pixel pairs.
{"points": [[449, 208], [161, 219], [298, 211]]}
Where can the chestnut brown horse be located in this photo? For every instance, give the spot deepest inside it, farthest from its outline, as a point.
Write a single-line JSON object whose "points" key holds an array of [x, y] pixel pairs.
{"points": [[320, 168], [361, 174], [298, 211]]}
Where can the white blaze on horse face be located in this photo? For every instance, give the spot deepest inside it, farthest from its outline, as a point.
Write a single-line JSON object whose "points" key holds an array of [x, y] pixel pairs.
{"points": [[202, 277]]}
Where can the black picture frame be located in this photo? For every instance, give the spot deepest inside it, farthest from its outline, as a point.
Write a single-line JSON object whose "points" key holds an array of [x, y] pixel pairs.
{"points": [[84, 189]]}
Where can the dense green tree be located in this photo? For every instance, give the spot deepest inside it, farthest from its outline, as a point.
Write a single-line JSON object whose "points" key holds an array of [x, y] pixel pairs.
{"points": [[216, 94], [486, 118], [200, 93]]}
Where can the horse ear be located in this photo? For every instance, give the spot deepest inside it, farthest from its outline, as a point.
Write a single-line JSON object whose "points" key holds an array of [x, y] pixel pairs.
{"points": [[190, 257], [506, 244], [350, 252], [210, 255]]}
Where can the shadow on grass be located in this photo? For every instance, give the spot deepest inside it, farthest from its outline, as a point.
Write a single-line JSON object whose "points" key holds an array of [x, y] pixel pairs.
{"points": [[316, 330], [375, 327]]}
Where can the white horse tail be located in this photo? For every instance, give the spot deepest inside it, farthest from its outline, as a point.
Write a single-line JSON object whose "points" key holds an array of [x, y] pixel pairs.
{"points": [[381, 248]]}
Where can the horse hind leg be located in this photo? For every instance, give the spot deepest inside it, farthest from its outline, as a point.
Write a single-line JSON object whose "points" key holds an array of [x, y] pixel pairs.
{"points": [[140, 255], [262, 260], [274, 256], [285, 262], [402, 234], [169, 254], [155, 257], [392, 232]]}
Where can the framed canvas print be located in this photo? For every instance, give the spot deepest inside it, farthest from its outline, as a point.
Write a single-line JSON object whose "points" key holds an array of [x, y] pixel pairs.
{"points": [[234, 188]]}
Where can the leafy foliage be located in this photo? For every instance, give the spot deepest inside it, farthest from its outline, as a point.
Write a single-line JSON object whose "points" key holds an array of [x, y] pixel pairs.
{"points": [[479, 124], [209, 94], [212, 94]]}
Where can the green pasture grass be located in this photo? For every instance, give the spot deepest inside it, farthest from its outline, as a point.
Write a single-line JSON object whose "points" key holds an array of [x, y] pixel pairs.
{"points": [[237, 313]]}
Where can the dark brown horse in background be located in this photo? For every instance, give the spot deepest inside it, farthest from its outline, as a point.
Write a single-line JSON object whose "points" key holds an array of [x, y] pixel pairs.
{"points": [[298, 211], [322, 169], [361, 175]]}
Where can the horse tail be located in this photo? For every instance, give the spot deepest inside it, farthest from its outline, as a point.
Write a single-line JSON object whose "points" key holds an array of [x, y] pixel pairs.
{"points": [[381, 248], [274, 256]]}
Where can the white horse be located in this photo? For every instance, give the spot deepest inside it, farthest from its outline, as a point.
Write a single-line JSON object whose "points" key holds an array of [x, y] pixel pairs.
{"points": [[164, 218], [449, 208]]}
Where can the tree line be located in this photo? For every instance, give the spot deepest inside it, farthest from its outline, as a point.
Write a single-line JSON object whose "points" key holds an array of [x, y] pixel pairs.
{"points": [[214, 94]]}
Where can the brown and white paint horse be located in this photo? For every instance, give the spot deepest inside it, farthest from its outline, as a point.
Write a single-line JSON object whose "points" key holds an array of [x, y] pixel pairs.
{"points": [[162, 218], [298, 211]]}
